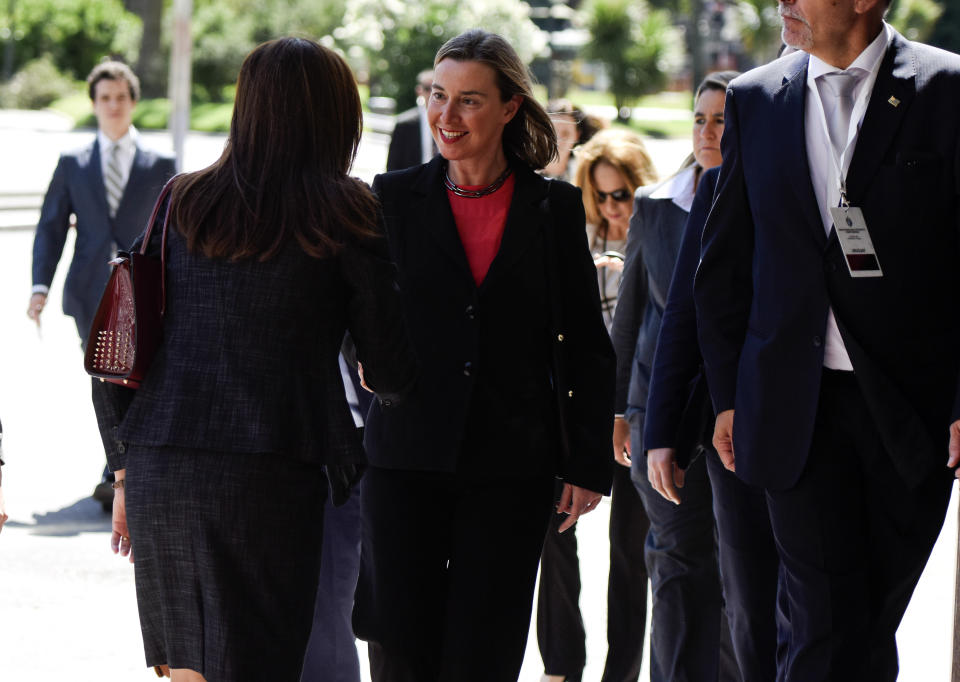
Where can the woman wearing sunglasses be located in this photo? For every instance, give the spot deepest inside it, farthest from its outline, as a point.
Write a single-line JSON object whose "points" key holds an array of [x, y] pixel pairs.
{"points": [[610, 168], [688, 638]]}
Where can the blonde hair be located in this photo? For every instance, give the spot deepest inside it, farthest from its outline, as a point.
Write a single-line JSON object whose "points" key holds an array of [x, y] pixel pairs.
{"points": [[529, 135], [624, 151]]}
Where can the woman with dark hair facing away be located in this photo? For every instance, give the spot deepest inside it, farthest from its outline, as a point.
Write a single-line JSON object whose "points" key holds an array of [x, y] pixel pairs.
{"points": [[689, 637], [502, 306], [611, 166], [222, 455]]}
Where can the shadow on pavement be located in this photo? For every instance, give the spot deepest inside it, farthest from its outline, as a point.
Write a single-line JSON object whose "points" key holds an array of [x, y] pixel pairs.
{"points": [[83, 516]]}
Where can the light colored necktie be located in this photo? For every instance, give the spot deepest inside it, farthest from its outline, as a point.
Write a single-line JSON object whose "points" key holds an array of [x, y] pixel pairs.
{"points": [[113, 181], [841, 84]]}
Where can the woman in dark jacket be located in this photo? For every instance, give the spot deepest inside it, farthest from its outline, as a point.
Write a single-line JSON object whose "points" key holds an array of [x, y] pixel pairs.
{"points": [[501, 301], [273, 253], [688, 636]]}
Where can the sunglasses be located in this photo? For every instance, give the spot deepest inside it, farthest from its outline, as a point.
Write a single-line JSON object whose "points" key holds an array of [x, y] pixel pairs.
{"points": [[618, 195]]}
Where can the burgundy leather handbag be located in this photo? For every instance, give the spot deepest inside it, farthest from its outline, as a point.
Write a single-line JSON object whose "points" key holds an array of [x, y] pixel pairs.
{"points": [[128, 325]]}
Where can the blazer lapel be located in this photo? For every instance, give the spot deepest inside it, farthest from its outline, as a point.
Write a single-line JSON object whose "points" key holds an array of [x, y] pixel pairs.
{"points": [[892, 94], [432, 210], [94, 175], [524, 220], [790, 101]]}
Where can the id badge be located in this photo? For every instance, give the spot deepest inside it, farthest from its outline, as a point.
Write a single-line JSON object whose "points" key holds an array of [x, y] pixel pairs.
{"points": [[858, 251]]}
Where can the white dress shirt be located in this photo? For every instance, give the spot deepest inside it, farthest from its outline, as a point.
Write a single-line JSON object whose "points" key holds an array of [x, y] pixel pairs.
{"points": [[820, 104], [128, 150]]}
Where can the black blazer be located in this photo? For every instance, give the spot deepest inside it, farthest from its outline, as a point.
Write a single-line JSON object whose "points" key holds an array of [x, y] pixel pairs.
{"points": [[406, 148], [484, 401], [769, 273], [77, 187], [249, 359]]}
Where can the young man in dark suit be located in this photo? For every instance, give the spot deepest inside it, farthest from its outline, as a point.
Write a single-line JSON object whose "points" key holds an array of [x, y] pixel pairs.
{"points": [[110, 186], [827, 300]]}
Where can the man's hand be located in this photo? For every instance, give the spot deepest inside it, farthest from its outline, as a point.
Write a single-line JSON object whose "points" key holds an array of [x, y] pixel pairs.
{"points": [[954, 448], [576, 501], [664, 474], [37, 303], [621, 441], [723, 439]]}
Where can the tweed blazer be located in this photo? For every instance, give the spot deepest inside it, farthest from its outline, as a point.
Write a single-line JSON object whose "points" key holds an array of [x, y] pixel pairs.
{"points": [[249, 359], [484, 402], [77, 187]]}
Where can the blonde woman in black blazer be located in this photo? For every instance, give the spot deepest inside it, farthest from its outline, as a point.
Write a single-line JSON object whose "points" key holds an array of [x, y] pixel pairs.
{"points": [[460, 488]]}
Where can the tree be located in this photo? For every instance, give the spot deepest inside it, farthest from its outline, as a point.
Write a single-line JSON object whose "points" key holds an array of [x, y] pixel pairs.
{"points": [[915, 19], [946, 32], [396, 39], [633, 42], [151, 67]]}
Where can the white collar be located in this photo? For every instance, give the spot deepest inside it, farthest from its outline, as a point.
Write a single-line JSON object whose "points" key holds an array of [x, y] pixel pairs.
{"points": [[127, 142], [679, 188], [868, 60]]}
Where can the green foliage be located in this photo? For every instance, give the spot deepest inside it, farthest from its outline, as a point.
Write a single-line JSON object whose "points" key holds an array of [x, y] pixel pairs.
{"points": [[35, 86], [915, 19], [946, 32], [395, 39], [225, 32], [75, 34], [633, 43], [153, 114]]}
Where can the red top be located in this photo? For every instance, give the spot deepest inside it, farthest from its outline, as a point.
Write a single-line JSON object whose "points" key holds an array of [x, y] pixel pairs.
{"points": [[480, 222]]}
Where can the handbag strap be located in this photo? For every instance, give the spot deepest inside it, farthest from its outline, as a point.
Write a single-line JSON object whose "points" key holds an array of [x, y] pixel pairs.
{"points": [[164, 194]]}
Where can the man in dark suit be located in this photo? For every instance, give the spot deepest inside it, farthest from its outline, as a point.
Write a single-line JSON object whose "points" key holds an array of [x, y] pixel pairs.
{"points": [[110, 186], [412, 143], [839, 349]]}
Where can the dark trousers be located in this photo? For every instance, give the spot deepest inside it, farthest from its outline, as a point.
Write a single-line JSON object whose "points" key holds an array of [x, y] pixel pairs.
{"points": [[689, 637], [447, 571], [853, 541], [749, 566], [332, 650], [560, 631]]}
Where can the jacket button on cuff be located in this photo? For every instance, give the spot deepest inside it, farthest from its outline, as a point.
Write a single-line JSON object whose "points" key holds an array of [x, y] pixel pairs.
{"points": [[470, 312], [817, 341], [467, 368]]}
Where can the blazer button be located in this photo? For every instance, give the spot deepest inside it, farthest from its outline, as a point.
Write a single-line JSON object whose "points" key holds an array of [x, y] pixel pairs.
{"points": [[467, 368], [817, 341], [470, 312], [831, 266], [386, 403]]}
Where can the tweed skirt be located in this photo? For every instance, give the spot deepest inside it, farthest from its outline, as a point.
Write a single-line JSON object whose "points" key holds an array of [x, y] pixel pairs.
{"points": [[227, 556]]}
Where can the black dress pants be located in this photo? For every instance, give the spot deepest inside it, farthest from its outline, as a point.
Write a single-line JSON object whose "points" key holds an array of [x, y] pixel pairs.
{"points": [[853, 541], [447, 571], [560, 631]]}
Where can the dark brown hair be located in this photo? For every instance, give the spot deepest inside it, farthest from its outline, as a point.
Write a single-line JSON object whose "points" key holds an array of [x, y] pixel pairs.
{"points": [[113, 71], [529, 135], [283, 173]]}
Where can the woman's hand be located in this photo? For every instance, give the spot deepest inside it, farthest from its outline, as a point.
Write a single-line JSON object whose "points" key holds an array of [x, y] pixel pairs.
{"points": [[575, 502], [120, 535], [608, 262], [3, 510], [664, 474], [363, 381]]}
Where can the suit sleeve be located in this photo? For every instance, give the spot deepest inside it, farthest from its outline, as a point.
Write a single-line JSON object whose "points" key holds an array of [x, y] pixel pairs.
{"points": [[52, 228], [723, 289], [590, 359], [375, 318], [631, 300], [677, 360]]}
